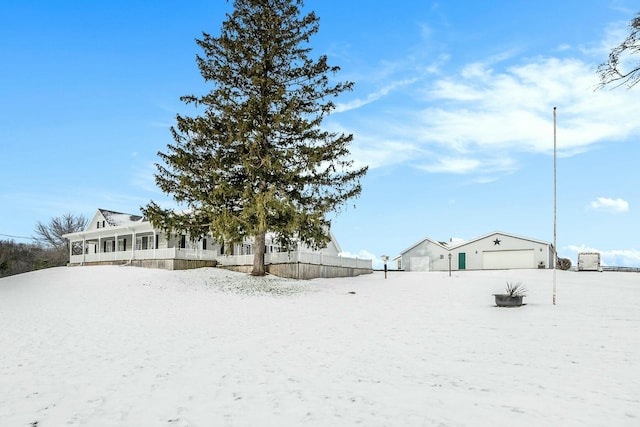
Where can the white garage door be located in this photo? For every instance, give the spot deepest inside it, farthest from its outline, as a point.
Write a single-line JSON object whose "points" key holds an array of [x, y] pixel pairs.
{"points": [[419, 263], [496, 260]]}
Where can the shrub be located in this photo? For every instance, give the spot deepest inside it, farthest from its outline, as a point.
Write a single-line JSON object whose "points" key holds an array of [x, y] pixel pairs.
{"points": [[564, 263]]}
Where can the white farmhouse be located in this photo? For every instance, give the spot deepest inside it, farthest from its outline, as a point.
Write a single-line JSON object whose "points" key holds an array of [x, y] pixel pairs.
{"points": [[119, 238], [493, 251]]}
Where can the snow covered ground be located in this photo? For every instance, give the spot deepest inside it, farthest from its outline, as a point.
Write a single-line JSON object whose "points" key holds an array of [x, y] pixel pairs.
{"points": [[126, 346]]}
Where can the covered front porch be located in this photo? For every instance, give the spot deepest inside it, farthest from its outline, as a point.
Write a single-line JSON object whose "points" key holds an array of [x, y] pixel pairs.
{"points": [[131, 243], [142, 254], [116, 238]]}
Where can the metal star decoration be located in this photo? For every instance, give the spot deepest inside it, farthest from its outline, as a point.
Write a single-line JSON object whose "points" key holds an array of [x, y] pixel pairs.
{"points": [[496, 242]]}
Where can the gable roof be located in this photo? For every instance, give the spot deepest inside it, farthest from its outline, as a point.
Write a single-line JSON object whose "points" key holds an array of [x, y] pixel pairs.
{"points": [[443, 245], [117, 219], [449, 246], [466, 242]]}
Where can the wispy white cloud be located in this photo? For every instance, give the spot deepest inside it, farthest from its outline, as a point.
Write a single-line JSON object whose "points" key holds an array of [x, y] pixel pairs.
{"points": [[143, 177], [483, 114], [462, 165], [372, 97], [609, 205], [614, 33], [453, 165], [513, 108]]}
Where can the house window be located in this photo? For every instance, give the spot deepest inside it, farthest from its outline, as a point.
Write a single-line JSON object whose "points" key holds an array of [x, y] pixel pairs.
{"points": [[102, 224], [122, 245], [109, 245], [183, 241], [156, 245], [204, 244], [98, 224], [76, 248]]}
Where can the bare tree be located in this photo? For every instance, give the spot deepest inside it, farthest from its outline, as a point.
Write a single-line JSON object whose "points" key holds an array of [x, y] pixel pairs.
{"points": [[51, 234], [620, 68]]}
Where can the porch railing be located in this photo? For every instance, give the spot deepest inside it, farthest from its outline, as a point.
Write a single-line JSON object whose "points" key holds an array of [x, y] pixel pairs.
{"points": [[226, 260], [166, 253]]}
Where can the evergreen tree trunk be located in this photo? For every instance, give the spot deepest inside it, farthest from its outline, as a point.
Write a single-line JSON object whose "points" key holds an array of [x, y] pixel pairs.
{"points": [[258, 255]]}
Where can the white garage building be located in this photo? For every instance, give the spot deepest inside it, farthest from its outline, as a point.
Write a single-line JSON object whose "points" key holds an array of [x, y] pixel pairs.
{"points": [[494, 251]]}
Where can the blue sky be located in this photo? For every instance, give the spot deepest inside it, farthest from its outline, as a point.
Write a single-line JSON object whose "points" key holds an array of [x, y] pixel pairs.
{"points": [[452, 110]]}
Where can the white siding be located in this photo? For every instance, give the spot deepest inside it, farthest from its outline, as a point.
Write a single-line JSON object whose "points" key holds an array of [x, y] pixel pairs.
{"points": [[502, 251], [433, 253]]}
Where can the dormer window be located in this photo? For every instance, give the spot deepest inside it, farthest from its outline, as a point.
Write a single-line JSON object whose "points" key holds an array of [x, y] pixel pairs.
{"points": [[102, 224]]}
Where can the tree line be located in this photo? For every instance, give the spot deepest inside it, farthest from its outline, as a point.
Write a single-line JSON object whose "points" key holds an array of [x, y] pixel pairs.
{"points": [[48, 248], [16, 258]]}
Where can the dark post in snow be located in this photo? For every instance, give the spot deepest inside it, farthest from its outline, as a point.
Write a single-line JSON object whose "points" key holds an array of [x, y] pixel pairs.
{"points": [[385, 259]]}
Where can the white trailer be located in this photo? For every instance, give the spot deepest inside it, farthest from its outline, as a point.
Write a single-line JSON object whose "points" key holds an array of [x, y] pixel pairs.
{"points": [[589, 261]]}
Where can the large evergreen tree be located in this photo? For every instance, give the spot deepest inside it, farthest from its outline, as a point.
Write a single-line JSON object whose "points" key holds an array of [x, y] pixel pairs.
{"points": [[257, 160]]}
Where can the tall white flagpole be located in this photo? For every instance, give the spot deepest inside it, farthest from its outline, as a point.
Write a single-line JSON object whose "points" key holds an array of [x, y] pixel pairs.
{"points": [[555, 250]]}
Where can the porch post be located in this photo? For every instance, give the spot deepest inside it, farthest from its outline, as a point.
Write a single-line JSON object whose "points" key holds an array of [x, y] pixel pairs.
{"points": [[84, 248], [133, 244]]}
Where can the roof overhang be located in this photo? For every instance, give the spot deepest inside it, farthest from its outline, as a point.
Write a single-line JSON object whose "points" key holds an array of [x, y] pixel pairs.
{"points": [[110, 231]]}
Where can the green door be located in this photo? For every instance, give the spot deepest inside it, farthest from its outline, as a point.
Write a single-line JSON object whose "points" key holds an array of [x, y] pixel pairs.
{"points": [[462, 261]]}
